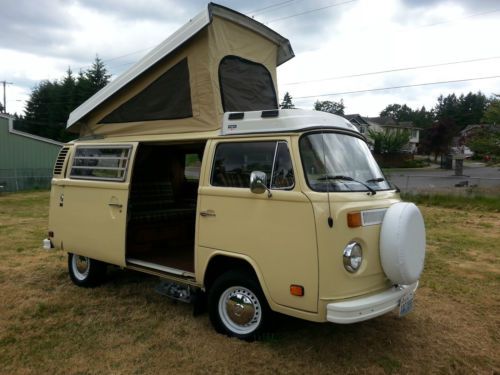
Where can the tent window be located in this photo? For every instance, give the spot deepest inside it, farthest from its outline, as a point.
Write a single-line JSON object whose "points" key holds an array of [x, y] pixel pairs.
{"points": [[245, 85], [167, 98]]}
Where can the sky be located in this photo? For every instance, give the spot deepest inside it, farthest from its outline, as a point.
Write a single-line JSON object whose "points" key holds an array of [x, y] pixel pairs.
{"points": [[338, 45]]}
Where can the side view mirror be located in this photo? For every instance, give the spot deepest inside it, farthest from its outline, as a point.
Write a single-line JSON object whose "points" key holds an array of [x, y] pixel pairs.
{"points": [[258, 183]]}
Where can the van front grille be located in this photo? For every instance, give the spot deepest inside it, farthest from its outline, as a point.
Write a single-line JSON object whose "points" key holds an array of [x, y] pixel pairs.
{"points": [[58, 168]]}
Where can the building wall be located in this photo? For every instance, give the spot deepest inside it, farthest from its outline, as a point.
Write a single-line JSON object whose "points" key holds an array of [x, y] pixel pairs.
{"points": [[25, 163]]}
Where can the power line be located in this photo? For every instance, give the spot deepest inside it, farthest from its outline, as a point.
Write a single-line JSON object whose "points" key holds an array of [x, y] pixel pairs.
{"points": [[460, 18], [391, 70], [263, 10], [311, 11], [397, 87]]}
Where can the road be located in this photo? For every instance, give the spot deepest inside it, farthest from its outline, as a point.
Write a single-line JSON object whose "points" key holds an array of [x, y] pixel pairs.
{"points": [[428, 179]]}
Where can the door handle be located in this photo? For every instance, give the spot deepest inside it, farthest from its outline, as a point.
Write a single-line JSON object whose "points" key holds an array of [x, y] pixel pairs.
{"points": [[117, 205], [207, 213]]}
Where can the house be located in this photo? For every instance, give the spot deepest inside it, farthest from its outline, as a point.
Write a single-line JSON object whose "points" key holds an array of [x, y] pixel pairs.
{"points": [[26, 160], [388, 124]]}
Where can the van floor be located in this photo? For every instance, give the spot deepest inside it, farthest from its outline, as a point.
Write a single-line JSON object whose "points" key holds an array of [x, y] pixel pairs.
{"points": [[179, 257]]}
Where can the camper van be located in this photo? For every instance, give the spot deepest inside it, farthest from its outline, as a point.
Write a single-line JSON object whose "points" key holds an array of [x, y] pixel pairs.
{"points": [[185, 168]]}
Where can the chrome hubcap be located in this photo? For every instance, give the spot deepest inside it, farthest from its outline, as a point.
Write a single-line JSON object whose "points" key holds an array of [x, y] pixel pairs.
{"points": [[81, 266], [240, 310]]}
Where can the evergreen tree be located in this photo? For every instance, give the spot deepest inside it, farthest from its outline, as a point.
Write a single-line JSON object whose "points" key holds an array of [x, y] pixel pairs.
{"points": [[97, 75], [50, 103], [287, 102]]}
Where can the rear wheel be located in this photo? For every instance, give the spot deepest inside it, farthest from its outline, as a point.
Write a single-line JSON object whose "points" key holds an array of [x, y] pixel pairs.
{"points": [[237, 306], [84, 271]]}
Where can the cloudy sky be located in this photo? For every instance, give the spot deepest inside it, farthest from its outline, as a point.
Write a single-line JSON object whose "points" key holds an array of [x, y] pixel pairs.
{"points": [[338, 44]]}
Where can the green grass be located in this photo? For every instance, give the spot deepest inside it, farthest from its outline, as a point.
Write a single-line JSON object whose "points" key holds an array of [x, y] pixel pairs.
{"points": [[477, 202]]}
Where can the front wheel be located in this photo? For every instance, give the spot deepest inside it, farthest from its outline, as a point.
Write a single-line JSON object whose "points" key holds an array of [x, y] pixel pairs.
{"points": [[84, 271], [237, 306]]}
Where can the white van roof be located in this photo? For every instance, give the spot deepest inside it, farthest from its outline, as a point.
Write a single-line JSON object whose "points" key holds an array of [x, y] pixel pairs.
{"points": [[282, 120]]}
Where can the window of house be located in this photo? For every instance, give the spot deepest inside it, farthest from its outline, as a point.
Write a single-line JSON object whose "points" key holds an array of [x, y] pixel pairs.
{"points": [[101, 163], [414, 133], [234, 162]]}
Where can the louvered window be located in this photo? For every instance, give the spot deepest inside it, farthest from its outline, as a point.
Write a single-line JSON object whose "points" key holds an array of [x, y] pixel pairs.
{"points": [[101, 163], [58, 168]]}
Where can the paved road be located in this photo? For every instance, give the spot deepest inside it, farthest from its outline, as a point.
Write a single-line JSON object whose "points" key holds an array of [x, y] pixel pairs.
{"points": [[428, 179]]}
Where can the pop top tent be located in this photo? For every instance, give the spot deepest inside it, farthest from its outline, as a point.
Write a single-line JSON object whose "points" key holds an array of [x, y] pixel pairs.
{"points": [[220, 61]]}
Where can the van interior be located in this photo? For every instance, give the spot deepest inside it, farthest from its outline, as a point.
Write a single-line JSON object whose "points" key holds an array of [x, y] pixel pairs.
{"points": [[162, 206]]}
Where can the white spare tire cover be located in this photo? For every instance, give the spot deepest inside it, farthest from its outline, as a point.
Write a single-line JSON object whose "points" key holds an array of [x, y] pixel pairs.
{"points": [[402, 243]]}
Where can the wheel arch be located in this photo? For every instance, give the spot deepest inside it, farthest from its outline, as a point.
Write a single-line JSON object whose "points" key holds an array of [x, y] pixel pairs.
{"points": [[220, 263]]}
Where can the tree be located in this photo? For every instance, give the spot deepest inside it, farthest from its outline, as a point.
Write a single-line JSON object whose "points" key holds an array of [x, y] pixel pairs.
{"points": [[463, 110], [1, 108], [336, 108], [421, 118], [397, 112], [287, 102], [97, 75], [492, 113], [486, 142], [437, 139], [388, 141], [51, 102]]}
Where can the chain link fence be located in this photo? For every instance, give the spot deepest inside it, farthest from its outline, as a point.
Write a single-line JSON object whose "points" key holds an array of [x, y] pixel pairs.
{"points": [[12, 180]]}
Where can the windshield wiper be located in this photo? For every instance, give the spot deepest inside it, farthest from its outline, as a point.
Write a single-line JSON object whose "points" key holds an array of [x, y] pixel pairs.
{"points": [[378, 179], [347, 178]]}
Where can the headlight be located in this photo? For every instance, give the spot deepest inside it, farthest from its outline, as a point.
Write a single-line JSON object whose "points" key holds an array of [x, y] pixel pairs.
{"points": [[353, 256]]}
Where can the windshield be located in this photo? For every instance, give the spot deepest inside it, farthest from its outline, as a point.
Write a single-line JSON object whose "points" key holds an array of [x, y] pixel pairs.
{"points": [[340, 162]]}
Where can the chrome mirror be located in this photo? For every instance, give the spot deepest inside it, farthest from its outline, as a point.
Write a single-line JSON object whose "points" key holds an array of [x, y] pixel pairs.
{"points": [[258, 183]]}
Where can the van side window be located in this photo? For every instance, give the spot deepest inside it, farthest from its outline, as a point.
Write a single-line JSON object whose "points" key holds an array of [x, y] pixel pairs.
{"points": [[107, 163], [283, 177], [235, 161]]}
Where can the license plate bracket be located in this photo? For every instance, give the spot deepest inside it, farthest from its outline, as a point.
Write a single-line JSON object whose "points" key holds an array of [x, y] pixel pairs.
{"points": [[406, 304]]}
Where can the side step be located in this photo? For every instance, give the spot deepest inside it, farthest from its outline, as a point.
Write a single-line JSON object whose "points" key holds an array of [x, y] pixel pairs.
{"points": [[159, 267]]}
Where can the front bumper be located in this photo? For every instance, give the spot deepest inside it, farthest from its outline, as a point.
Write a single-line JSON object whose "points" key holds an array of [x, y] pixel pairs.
{"points": [[364, 308]]}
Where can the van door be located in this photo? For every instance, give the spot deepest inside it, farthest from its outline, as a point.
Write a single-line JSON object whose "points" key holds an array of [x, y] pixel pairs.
{"points": [[89, 215], [276, 234]]}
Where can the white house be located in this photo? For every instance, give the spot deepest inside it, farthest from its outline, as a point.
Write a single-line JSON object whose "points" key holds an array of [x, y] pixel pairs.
{"points": [[387, 124]]}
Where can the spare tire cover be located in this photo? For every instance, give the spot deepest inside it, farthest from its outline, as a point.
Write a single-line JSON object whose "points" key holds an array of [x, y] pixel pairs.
{"points": [[402, 243]]}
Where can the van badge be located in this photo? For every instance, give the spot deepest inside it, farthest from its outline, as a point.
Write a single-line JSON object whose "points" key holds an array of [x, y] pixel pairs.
{"points": [[232, 127]]}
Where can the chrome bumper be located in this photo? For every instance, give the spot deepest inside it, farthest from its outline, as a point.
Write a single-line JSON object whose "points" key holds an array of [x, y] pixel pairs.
{"points": [[364, 308]]}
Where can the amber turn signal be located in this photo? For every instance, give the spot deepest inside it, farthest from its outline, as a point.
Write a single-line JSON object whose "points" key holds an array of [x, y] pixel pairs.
{"points": [[296, 290], [354, 219]]}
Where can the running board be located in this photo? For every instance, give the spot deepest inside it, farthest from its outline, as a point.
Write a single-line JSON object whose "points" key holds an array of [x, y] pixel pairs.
{"points": [[159, 267]]}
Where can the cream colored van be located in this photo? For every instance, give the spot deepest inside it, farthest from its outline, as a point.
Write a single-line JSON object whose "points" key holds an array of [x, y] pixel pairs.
{"points": [[185, 169]]}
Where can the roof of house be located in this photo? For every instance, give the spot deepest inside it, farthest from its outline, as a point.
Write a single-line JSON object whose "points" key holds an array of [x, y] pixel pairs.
{"points": [[182, 38], [379, 121], [24, 134]]}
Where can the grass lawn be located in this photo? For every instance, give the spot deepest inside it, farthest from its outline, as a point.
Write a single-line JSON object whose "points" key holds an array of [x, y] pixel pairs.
{"points": [[48, 325]]}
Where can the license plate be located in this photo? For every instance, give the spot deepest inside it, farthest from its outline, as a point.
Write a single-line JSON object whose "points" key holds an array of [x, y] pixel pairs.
{"points": [[406, 304]]}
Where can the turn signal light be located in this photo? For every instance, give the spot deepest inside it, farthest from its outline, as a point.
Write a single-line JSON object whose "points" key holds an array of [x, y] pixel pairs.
{"points": [[296, 290], [354, 219]]}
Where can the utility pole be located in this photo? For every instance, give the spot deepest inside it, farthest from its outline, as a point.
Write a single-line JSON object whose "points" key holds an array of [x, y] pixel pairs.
{"points": [[5, 83]]}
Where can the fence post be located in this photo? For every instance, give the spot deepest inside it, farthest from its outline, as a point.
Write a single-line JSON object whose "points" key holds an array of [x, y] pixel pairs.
{"points": [[15, 178]]}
